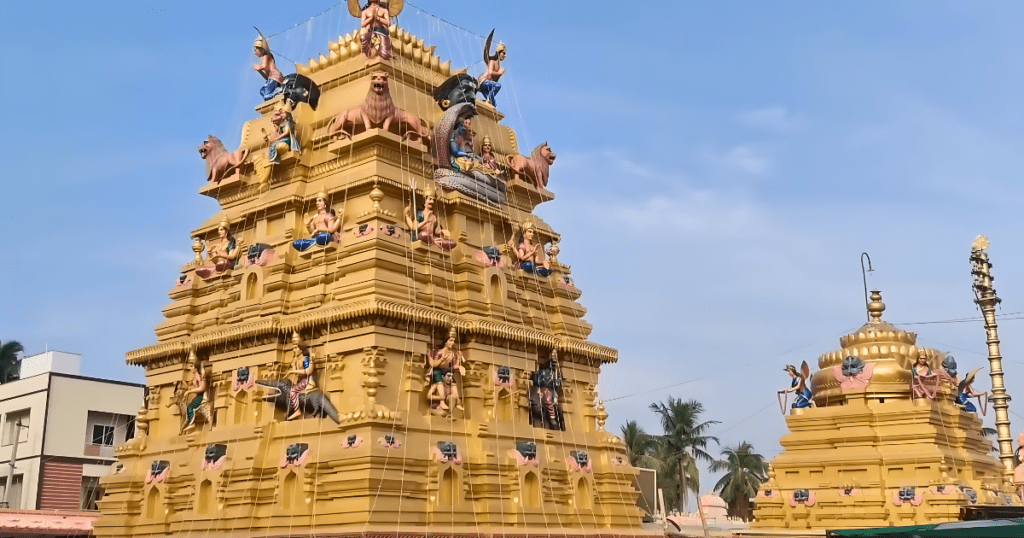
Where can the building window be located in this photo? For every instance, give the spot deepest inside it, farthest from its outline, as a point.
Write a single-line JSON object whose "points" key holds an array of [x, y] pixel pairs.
{"points": [[102, 435], [11, 427], [91, 492], [14, 499]]}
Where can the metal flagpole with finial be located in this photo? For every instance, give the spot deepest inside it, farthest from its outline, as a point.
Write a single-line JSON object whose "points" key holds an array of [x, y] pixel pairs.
{"points": [[985, 297], [864, 273]]}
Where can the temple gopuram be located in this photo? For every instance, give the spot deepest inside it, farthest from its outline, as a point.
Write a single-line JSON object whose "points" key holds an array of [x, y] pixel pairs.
{"points": [[376, 335], [884, 435]]}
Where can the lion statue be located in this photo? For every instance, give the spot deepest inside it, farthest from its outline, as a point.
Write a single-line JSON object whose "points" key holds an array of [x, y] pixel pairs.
{"points": [[379, 111], [219, 163], [535, 169]]}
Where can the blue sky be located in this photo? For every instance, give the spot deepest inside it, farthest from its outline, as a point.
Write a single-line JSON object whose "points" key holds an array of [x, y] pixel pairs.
{"points": [[721, 167]]}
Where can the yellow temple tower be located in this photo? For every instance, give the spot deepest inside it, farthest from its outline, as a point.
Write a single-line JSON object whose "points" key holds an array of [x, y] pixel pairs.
{"points": [[375, 342], [882, 445]]}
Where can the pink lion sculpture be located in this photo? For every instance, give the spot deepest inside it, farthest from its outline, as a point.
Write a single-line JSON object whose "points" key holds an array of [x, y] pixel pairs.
{"points": [[535, 169], [219, 162]]}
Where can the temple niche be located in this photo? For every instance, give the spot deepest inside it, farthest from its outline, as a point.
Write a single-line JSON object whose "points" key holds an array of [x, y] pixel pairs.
{"points": [[380, 329], [878, 437]]}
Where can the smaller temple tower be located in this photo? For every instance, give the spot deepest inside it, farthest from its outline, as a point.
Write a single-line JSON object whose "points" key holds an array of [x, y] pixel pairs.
{"points": [[884, 444]]}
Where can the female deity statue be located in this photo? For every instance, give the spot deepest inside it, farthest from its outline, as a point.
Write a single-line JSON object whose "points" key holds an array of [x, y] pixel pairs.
{"points": [[426, 226], [200, 391], [527, 254], [223, 254], [965, 391], [284, 137], [799, 386], [302, 365], [323, 226], [923, 383], [267, 68], [443, 394], [488, 162]]}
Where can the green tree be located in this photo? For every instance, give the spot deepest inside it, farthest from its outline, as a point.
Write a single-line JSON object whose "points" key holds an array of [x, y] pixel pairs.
{"points": [[745, 471], [10, 364], [684, 443], [639, 445]]}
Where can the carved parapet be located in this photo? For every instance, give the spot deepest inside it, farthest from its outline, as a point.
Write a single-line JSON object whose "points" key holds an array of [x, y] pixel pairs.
{"points": [[405, 46]]}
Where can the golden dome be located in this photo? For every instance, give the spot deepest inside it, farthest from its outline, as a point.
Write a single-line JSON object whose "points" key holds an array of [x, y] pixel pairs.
{"points": [[890, 349]]}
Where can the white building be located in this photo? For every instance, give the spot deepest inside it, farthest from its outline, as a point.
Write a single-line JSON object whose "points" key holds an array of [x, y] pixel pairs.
{"points": [[70, 426]]}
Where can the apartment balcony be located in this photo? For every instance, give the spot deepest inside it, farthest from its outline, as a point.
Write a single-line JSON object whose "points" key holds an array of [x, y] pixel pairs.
{"points": [[99, 451]]}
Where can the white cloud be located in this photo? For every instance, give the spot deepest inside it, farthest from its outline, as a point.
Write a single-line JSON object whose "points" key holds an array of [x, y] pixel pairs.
{"points": [[743, 158], [774, 118], [694, 212]]}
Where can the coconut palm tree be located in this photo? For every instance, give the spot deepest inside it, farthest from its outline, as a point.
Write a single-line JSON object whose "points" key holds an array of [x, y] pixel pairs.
{"points": [[745, 471], [10, 364], [639, 445], [685, 442]]}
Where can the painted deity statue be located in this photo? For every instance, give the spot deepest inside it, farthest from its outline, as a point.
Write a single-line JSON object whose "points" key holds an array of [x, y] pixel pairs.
{"points": [[443, 393], [527, 253], [223, 254], [548, 380], [323, 226], [488, 162], [948, 370], [924, 383], [375, 19], [965, 391], [302, 366], [426, 225], [267, 68], [461, 146], [488, 81], [199, 389], [799, 386], [284, 137]]}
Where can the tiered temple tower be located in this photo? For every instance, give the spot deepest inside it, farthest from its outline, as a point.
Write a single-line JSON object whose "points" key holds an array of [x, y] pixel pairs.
{"points": [[370, 304], [869, 454]]}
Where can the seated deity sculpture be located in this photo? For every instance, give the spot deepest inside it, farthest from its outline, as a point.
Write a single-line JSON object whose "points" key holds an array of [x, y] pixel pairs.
{"points": [[924, 383], [194, 403], [323, 226], [284, 137], [444, 394], [527, 253], [302, 366], [488, 161], [222, 254], [459, 167], [426, 226]]}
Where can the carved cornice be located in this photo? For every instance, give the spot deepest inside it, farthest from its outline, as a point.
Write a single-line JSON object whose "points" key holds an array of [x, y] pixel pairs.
{"points": [[423, 167], [368, 308]]}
